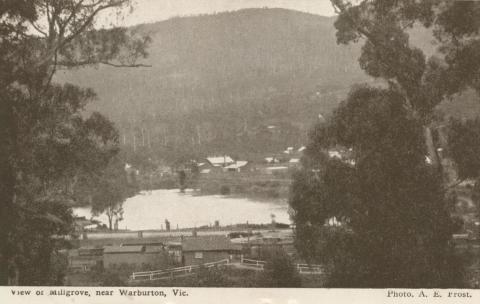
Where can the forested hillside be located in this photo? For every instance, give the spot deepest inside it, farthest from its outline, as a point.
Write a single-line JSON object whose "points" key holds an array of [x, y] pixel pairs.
{"points": [[241, 82]]}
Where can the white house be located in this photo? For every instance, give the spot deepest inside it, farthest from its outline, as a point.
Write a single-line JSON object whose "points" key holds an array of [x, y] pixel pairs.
{"points": [[220, 161], [238, 166]]}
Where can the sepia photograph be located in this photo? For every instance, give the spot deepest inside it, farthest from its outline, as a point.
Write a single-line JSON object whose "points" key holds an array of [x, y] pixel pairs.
{"points": [[159, 146]]}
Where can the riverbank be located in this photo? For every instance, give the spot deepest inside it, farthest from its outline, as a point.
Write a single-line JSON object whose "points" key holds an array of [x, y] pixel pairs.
{"points": [[151, 210], [262, 187]]}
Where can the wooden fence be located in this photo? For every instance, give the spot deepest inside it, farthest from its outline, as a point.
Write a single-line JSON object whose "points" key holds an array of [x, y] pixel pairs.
{"points": [[252, 263], [185, 270], [301, 268], [165, 273]]}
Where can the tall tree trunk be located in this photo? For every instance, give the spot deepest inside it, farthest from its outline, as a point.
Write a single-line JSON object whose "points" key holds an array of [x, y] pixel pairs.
{"points": [[110, 219], [431, 149], [441, 165], [7, 186], [6, 219]]}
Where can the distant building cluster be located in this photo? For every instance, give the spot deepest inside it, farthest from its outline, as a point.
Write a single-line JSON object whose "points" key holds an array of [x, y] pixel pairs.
{"points": [[152, 253], [269, 164], [192, 250]]}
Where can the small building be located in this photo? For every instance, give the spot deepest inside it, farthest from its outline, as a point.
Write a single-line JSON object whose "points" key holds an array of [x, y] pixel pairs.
{"points": [[257, 247], [276, 170], [240, 166], [334, 154], [206, 249], [206, 167], [220, 161], [271, 160], [174, 250], [136, 256], [294, 162], [85, 258]]}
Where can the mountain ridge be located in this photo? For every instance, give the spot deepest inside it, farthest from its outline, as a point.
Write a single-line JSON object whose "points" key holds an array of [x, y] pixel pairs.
{"points": [[217, 82]]}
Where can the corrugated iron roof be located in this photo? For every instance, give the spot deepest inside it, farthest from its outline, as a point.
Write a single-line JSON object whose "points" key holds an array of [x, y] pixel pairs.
{"points": [[144, 243], [208, 243], [126, 249], [154, 249], [220, 160], [237, 164]]}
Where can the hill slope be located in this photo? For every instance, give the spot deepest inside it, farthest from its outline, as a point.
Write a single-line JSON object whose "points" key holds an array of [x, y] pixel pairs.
{"points": [[247, 81]]}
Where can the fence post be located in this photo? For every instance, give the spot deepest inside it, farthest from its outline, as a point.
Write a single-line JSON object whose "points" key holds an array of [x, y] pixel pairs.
{"points": [[151, 276], [133, 276]]}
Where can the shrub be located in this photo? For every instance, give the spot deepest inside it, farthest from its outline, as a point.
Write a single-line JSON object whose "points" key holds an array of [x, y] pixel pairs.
{"points": [[279, 271], [225, 190]]}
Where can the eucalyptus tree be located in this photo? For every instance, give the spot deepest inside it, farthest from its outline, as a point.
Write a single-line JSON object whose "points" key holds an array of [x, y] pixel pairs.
{"points": [[47, 142], [394, 207]]}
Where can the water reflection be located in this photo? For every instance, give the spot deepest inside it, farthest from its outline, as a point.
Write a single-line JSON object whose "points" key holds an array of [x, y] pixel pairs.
{"points": [[149, 211]]}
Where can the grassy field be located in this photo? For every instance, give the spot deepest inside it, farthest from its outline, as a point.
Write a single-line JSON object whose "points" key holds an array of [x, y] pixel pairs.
{"points": [[254, 186]]}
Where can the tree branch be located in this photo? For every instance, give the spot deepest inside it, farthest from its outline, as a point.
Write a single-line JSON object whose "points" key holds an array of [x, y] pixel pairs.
{"points": [[81, 29], [454, 184], [37, 28]]}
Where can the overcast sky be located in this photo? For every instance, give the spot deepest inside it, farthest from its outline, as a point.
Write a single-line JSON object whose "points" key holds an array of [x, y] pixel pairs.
{"points": [[156, 10]]}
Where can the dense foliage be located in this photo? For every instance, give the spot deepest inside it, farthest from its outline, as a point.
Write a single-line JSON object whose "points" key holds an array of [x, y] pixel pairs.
{"points": [[279, 271], [391, 192], [48, 143], [396, 218]]}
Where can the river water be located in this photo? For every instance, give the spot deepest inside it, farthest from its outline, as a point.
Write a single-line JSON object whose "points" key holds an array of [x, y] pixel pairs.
{"points": [[149, 211]]}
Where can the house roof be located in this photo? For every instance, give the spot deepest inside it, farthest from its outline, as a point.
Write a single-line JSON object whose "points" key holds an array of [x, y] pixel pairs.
{"points": [[220, 160], [145, 243], [89, 251], [276, 168], [154, 249], [271, 159], [208, 243], [334, 154], [125, 249], [237, 164]]}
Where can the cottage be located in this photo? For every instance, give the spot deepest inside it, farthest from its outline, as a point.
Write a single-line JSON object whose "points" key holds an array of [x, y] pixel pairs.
{"points": [[85, 258], [258, 246], [294, 162], [220, 161], [206, 167], [174, 250], [276, 170], [334, 154], [137, 256], [206, 249], [271, 160], [239, 166]]}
